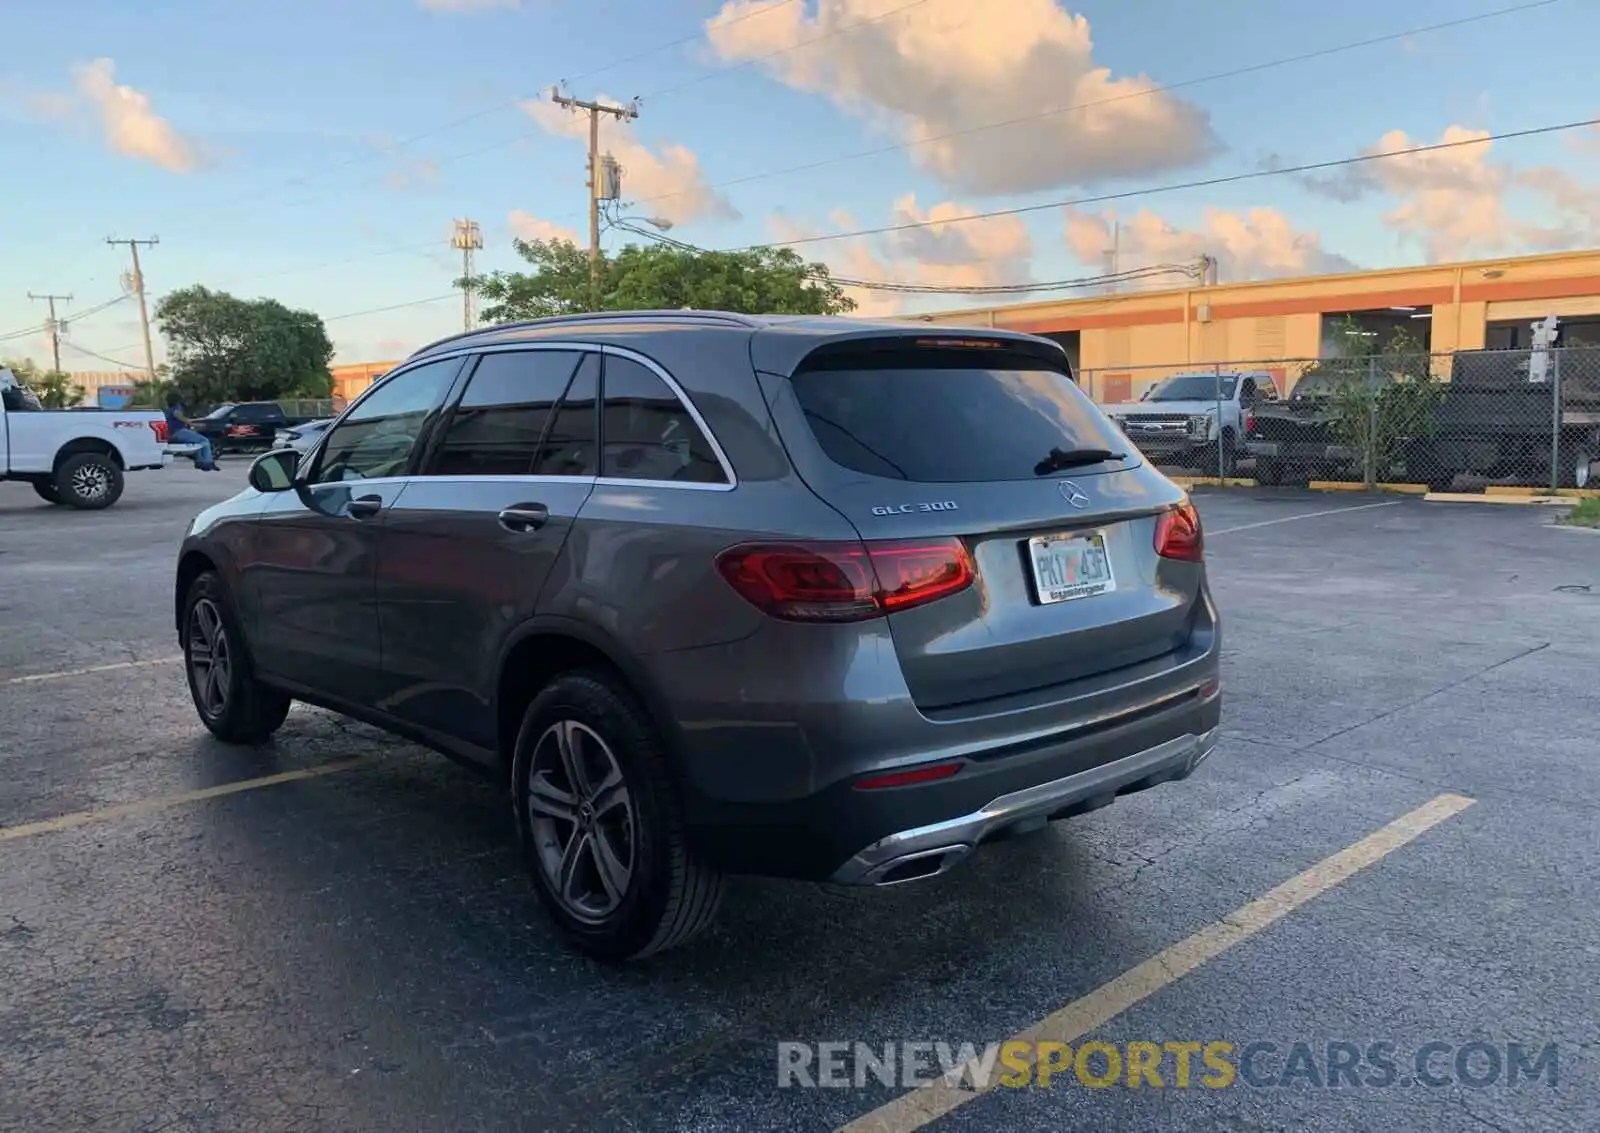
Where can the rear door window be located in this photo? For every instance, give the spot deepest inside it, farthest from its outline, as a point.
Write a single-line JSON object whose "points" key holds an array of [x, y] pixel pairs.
{"points": [[945, 417], [496, 428], [569, 447]]}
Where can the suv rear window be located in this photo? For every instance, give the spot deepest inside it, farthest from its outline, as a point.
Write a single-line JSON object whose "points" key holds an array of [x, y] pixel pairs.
{"points": [[946, 417]]}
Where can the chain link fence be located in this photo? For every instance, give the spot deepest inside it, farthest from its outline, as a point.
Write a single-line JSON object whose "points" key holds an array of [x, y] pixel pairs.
{"points": [[1457, 421]]}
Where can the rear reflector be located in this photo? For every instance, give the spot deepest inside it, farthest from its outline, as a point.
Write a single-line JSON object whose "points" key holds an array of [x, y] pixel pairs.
{"points": [[928, 773], [1178, 534], [845, 582]]}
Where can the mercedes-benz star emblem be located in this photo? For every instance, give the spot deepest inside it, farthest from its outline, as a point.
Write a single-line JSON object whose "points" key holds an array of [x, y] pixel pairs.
{"points": [[1073, 494]]}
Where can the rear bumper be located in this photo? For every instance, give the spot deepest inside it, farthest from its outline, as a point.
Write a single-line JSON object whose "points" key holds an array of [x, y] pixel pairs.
{"points": [[924, 851], [1301, 451], [877, 837]]}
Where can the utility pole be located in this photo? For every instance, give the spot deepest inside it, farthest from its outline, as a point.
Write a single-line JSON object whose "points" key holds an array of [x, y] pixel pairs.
{"points": [[54, 326], [468, 237], [136, 285], [594, 110], [1113, 256]]}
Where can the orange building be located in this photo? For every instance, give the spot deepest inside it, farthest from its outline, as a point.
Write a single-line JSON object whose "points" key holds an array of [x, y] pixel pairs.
{"points": [[1122, 344], [351, 379]]}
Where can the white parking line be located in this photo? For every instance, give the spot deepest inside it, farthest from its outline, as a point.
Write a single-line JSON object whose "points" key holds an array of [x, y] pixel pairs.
{"points": [[64, 673], [163, 802], [928, 1103], [1303, 515]]}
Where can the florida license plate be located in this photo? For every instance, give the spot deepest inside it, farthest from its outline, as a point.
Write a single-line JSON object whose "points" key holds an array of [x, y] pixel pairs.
{"points": [[1070, 566]]}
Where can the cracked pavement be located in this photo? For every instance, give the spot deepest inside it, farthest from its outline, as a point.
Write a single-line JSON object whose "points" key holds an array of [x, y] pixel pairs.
{"points": [[360, 950]]}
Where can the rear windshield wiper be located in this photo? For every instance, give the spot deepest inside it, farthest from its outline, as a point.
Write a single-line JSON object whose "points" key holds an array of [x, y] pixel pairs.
{"points": [[1074, 458]]}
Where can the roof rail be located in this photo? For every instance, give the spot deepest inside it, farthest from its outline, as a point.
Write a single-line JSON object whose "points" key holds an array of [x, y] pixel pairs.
{"points": [[726, 318]]}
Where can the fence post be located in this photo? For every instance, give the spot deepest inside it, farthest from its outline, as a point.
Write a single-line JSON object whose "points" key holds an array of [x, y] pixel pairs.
{"points": [[1555, 422], [1222, 444], [1370, 457]]}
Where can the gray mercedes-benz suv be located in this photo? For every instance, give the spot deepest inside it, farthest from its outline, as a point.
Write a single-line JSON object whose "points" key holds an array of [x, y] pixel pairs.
{"points": [[805, 597]]}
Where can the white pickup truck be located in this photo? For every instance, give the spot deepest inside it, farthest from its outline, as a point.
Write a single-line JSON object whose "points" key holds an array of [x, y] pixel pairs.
{"points": [[75, 456]]}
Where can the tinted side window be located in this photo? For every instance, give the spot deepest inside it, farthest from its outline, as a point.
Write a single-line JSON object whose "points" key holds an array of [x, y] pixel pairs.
{"points": [[377, 436], [934, 416], [569, 443], [495, 430], [647, 432]]}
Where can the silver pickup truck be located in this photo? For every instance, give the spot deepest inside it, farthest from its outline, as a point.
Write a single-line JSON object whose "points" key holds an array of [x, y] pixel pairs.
{"points": [[76, 456], [1195, 420]]}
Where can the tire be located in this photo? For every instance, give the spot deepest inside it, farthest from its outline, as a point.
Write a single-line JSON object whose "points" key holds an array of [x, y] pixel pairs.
{"points": [[1580, 467], [47, 491], [233, 705], [1271, 471], [89, 481], [632, 885]]}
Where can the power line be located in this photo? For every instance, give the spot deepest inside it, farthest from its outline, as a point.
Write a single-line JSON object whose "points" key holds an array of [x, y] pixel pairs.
{"points": [[1203, 183], [392, 307], [1253, 68], [103, 357]]}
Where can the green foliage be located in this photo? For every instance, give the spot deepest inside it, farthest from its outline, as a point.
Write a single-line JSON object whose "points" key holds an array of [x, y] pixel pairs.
{"points": [[55, 389], [1381, 394], [658, 277], [1586, 513], [228, 349]]}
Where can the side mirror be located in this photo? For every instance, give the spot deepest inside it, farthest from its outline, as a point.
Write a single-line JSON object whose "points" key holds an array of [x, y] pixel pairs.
{"points": [[274, 471]]}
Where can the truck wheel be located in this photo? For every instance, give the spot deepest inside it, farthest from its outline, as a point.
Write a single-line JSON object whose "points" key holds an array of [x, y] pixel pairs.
{"points": [[89, 480], [600, 823], [1582, 465], [237, 708], [1273, 472], [47, 491]]}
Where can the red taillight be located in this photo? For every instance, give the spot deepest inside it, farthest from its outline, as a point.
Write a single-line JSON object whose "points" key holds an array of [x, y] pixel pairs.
{"points": [[927, 773], [1178, 534], [845, 582], [1249, 420], [160, 429]]}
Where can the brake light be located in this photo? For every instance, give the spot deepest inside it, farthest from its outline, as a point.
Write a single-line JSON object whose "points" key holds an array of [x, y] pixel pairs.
{"points": [[1249, 420], [160, 429], [1178, 534], [845, 582]]}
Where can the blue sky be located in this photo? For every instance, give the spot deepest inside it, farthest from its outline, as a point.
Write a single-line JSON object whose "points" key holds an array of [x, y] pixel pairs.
{"points": [[259, 141]]}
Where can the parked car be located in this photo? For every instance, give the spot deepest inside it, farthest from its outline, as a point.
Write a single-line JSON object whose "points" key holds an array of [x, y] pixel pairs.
{"points": [[301, 437], [74, 456], [1182, 420], [1297, 439], [246, 425], [800, 597]]}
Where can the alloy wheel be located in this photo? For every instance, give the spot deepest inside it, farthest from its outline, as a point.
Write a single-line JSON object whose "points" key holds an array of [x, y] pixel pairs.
{"points": [[582, 820], [210, 658], [91, 482]]}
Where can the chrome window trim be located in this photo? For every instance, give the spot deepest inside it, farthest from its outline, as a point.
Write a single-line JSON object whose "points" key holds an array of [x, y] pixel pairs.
{"points": [[620, 352]]}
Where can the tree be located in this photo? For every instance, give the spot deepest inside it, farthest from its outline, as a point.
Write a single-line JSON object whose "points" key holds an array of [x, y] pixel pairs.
{"points": [[55, 389], [757, 281], [223, 348]]}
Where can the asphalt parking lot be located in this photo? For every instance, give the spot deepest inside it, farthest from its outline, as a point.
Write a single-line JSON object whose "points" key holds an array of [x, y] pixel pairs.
{"points": [[347, 940]]}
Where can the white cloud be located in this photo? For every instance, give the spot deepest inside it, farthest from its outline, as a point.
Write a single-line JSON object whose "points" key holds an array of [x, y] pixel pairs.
{"points": [[944, 252], [526, 226], [667, 181], [1460, 202], [132, 128], [951, 67], [1258, 244]]}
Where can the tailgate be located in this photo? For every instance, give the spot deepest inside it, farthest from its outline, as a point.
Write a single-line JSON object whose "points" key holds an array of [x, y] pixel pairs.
{"points": [[1068, 583]]}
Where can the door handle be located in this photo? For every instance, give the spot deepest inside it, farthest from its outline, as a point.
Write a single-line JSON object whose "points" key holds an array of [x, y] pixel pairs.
{"points": [[364, 507], [524, 517]]}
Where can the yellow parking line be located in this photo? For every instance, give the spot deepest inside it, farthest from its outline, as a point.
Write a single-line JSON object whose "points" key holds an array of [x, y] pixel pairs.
{"points": [[928, 1103], [63, 673], [164, 802]]}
